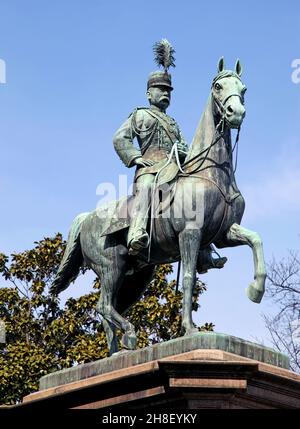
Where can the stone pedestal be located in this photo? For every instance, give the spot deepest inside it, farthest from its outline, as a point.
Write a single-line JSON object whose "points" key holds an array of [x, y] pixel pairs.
{"points": [[202, 371]]}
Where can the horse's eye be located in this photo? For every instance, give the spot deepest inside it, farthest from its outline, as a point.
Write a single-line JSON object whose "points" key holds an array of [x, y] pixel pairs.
{"points": [[218, 86]]}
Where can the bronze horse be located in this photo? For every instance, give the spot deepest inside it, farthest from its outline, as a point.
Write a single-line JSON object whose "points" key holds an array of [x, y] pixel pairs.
{"points": [[207, 182]]}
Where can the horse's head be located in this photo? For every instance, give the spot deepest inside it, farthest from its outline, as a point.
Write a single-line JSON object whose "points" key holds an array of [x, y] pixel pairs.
{"points": [[228, 94]]}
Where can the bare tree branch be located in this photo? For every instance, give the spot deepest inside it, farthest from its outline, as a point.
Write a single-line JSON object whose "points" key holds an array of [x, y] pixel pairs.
{"points": [[284, 290]]}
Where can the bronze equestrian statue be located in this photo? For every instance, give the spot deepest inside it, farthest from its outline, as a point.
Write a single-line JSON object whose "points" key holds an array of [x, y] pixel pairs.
{"points": [[156, 133], [205, 181]]}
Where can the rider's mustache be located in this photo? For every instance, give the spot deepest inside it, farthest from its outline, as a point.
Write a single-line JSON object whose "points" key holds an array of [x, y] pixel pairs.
{"points": [[164, 97]]}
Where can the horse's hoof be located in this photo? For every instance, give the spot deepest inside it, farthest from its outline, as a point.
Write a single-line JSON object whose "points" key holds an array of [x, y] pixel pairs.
{"points": [[129, 341], [254, 294], [190, 331], [120, 352]]}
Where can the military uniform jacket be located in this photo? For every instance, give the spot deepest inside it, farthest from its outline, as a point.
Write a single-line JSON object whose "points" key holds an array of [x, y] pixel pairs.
{"points": [[156, 133]]}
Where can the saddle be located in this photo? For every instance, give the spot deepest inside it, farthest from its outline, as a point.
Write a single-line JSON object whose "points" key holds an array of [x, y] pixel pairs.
{"points": [[117, 213]]}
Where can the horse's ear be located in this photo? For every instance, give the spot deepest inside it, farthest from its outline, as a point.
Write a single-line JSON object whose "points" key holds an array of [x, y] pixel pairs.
{"points": [[238, 67], [221, 65]]}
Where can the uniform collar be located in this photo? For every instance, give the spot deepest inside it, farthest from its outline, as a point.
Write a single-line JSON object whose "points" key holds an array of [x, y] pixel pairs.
{"points": [[156, 109]]}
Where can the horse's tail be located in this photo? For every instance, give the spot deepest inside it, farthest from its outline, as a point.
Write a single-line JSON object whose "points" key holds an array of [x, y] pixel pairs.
{"points": [[72, 259]]}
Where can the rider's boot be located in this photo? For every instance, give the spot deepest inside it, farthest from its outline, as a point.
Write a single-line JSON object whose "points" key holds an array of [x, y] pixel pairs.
{"points": [[206, 261], [138, 238]]}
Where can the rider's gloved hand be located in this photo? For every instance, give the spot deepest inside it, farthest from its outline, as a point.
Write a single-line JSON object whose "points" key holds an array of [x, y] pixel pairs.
{"points": [[182, 148], [143, 162]]}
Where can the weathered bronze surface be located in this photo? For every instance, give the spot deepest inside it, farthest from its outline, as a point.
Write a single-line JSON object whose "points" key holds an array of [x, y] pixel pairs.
{"points": [[205, 207]]}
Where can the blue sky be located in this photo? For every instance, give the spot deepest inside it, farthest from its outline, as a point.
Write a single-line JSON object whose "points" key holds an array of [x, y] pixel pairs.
{"points": [[76, 69]]}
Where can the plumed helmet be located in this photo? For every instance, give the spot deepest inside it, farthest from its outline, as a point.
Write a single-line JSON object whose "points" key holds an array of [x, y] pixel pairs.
{"points": [[163, 56], [159, 78]]}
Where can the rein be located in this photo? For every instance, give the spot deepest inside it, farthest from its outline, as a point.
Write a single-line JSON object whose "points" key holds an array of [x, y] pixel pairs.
{"points": [[205, 152], [222, 111], [221, 105]]}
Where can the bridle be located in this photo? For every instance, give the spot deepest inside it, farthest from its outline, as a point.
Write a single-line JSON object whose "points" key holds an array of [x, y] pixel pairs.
{"points": [[221, 105], [205, 152]]}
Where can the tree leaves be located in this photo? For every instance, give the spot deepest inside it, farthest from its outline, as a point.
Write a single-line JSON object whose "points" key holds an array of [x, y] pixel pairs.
{"points": [[44, 336]]}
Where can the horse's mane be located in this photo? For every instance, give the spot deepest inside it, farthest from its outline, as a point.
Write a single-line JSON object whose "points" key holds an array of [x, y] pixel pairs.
{"points": [[205, 130]]}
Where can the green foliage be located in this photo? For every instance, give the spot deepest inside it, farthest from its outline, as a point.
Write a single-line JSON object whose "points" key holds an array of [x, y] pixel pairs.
{"points": [[43, 336]]}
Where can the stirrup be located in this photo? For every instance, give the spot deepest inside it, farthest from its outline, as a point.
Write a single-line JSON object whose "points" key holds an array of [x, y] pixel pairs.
{"points": [[214, 263], [139, 243]]}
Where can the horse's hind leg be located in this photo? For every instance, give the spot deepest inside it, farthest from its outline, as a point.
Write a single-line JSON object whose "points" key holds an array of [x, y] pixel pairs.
{"points": [[237, 235], [104, 308], [112, 340], [111, 276]]}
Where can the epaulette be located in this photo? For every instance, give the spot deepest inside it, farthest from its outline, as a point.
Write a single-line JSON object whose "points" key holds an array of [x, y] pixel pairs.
{"points": [[136, 109]]}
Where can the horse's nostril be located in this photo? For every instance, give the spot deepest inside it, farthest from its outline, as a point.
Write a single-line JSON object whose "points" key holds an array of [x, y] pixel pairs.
{"points": [[229, 109]]}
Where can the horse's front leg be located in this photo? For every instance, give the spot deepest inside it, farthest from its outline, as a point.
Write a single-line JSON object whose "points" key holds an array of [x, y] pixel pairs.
{"points": [[237, 235], [189, 244]]}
